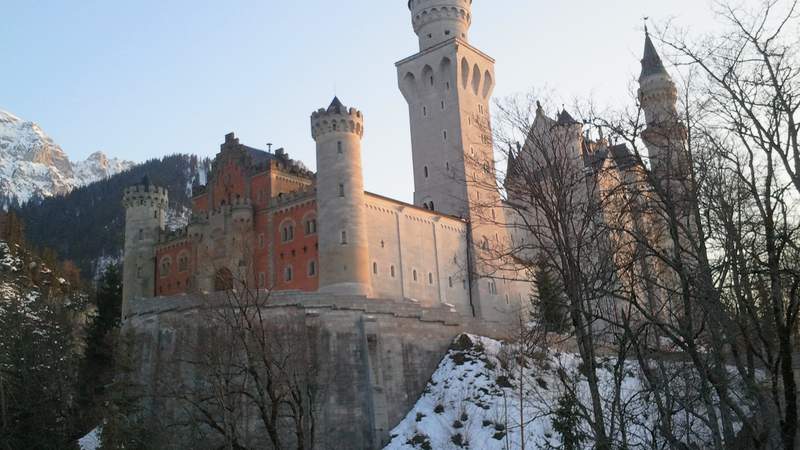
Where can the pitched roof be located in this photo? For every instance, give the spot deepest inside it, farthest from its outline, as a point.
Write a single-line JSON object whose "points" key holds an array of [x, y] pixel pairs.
{"points": [[651, 61], [337, 106], [564, 118]]}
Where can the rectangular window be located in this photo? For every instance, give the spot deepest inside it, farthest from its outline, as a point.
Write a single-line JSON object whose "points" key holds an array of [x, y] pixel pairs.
{"points": [[341, 190]]}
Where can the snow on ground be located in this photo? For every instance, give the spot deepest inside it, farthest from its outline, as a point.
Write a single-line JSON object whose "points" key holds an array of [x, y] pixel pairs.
{"points": [[91, 441], [473, 401]]}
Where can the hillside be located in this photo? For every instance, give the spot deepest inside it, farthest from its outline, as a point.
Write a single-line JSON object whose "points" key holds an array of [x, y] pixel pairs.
{"points": [[86, 225], [483, 391], [43, 311]]}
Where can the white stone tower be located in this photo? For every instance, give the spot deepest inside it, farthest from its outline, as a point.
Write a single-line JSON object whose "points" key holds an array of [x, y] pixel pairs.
{"points": [[448, 87], [665, 134], [343, 245], [145, 213]]}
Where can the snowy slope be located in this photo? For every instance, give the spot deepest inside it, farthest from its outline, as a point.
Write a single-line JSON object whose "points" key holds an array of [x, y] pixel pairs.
{"points": [[32, 165], [473, 401]]}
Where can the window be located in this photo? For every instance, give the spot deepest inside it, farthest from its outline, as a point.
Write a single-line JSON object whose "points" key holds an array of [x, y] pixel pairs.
{"points": [[155, 214], [414, 274], [447, 32], [444, 135], [261, 280], [383, 244], [447, 166], [312, 268], [375, 268], [447, 85], [344, 237], [442, 105], [287, 274], [339, 147], [287, 232], [425, 171], [431, 80], [261, 240], [166, 265], [391, 271], [492, 287], [431, 205], [311, 226], [183, 262], [430, 278], [141, 234], [424, 111], [341, 190]]}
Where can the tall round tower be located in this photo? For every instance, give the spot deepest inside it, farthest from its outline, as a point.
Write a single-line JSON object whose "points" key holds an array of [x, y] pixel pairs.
{"points": [[436, 21], [343, 246], [145, 213]]}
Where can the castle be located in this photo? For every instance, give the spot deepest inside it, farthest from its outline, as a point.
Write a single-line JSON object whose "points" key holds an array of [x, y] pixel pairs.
{"points": [[375, 288], [264, 218]]}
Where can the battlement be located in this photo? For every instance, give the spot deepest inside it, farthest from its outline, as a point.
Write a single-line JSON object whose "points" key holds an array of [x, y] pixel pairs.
{"points": [[436, 21], [145, 194], [337, 119]]}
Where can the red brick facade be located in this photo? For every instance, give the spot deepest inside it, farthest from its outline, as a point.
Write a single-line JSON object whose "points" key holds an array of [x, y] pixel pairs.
{"points": [[284, 231]]}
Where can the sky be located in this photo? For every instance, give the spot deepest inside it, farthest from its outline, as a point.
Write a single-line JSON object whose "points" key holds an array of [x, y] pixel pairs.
{"points": [[143, 79]]}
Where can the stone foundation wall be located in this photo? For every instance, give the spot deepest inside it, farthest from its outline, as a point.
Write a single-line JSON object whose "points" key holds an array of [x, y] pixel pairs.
{"points": [[378, 355]]}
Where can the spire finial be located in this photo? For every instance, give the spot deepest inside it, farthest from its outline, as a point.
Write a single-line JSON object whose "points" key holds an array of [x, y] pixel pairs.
{"points": [[646, 31]]}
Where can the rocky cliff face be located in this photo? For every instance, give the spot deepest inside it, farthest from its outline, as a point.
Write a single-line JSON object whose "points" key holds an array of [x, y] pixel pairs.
{"points": [[32, 165]]}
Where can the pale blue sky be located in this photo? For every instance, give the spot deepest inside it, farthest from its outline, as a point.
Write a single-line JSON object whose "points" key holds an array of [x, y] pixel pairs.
{"points": [[141, 79]]}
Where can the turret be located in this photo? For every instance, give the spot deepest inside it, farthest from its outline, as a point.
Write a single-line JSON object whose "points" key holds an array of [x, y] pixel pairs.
{"points": [[657, 92], [665, 135], [436, 21], [145, 213], [343, 246]]}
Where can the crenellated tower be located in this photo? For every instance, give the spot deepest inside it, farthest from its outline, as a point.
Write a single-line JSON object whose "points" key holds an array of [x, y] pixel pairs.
{"points": [[145, 215], [448, 86], [343, 245]]}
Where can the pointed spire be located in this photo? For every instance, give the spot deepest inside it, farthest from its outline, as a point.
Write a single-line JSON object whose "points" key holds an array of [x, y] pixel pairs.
{"points": [[337, 106], [564, 118], [651, 61]]}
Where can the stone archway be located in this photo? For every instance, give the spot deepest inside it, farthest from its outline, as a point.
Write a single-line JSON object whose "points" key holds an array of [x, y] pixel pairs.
{"points": [[223, 280]]}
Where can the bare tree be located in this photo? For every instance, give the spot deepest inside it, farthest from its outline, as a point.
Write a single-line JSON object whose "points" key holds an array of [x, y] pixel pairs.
{"points": [[252, 372]]}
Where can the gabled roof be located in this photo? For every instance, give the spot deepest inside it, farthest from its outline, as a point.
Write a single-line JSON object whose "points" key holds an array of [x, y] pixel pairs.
{"points": [[651, 61]]}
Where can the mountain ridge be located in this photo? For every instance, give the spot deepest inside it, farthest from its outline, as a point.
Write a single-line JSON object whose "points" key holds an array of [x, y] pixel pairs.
{"points": [[33, 165]]}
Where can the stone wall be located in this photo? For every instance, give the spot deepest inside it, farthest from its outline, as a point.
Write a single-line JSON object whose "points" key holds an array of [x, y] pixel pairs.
{"points": [[378, 355]]}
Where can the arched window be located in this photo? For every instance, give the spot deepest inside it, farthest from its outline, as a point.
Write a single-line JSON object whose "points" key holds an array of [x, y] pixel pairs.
{"points": [[312, 268], [166, 265], [450, 281], [431, 206], [375, 268], [311, 225], [391, 270], [287, 231], [430, 278], [183, 262], [425, 171], [414, 274]]}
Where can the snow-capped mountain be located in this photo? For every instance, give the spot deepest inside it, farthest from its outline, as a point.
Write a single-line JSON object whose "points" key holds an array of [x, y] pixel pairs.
{"points": [[32, 165]]}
